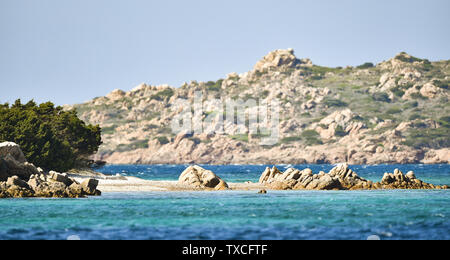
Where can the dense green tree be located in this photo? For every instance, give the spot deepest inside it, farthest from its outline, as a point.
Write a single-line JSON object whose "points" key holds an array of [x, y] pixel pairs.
{"points": [[49, 136]]}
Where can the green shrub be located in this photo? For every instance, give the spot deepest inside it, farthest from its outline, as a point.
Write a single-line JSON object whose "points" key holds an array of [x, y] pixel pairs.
{"points": [[419, 125], [310, 133], [291, 139], [418, 96], [323, 70], [394, 110], [402, 57], [444, 121], [50, 137], [265, 94], [357, 88], [339, 131], [195, 140], [427, 66], [163, 94], [411, 104], [311, 137], [313, 141], [441, 84], [335, 103], [151, 126], [214, 85], [414, 117], [398, 91], [240, 137], [381, 96], [140, 144], [137, 144], [306, 114], [260, 135], [316, 77], [434, 138], [162, 140], [386, 116], [366, 65]]}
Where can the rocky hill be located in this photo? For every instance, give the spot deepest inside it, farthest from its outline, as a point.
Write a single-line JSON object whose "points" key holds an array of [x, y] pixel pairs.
{"points": [[396, 111]]}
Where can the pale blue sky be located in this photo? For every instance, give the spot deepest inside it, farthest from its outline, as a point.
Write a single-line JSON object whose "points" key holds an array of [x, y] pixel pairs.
{"points": [[69, 51]]}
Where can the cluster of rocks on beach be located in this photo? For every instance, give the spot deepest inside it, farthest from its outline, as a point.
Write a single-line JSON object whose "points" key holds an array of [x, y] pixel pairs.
{"points": [[340, 177], [19, 178]]}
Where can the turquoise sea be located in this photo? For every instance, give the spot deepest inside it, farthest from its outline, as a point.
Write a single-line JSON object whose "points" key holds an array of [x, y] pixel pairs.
{"points": [[228, 215]]}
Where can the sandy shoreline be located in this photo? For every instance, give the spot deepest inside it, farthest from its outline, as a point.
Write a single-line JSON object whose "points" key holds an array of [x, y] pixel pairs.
{"points": [[339, 178], [134, 184]]}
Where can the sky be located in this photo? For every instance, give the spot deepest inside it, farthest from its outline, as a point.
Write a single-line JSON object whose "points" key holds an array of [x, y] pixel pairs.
{"points": [[71, 51]]}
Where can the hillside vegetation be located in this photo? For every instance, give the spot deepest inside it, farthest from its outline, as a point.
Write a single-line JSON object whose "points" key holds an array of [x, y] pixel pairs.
{"points": [[396, 111]]}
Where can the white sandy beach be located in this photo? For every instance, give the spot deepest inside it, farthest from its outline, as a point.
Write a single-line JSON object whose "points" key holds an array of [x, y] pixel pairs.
{"points": [[134, 184]]}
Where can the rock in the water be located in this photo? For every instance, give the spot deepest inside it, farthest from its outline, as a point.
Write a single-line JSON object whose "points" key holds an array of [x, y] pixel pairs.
{"points": [[52, 189], [326, 182], [410, 175], [15, 181], [60, 177], [35, 181], [199, 178], [12, 167], [222, 185], [90, 186], [349, 179], [18, 178], [398, 180], [387, 178], [262, 192], [269, 175], [15, 188], [297, 180], [18, 192], [340, 177], [3, 188], [76, 188]]}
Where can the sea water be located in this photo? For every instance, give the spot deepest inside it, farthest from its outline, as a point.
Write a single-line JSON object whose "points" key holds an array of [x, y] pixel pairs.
{"points": [[228, 215]]}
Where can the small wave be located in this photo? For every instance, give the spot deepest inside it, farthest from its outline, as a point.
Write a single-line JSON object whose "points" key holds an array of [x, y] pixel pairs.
{"points": [[386, 234]]}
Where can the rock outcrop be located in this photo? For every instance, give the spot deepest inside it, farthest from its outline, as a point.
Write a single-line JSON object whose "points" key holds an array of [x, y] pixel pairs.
{"points": [[12, 149], [278, 58], [10, 167], [18, 178], [293, 179], [13, 162], [340, 177], [348, 179], [59, 185], [398, 180], [198, 178]]}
